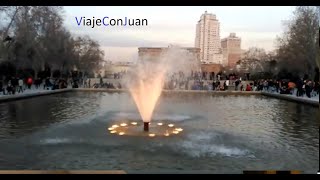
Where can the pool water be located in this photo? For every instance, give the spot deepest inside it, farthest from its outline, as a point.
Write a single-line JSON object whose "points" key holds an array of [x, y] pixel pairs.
{"points": [[221, 134]]}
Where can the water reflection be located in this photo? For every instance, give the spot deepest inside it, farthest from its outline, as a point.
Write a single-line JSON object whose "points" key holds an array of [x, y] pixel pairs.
{"points": [[24, 116]]}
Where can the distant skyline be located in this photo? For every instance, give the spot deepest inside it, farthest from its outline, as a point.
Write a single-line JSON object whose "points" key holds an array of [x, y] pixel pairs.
{"points": [[256, 25]]}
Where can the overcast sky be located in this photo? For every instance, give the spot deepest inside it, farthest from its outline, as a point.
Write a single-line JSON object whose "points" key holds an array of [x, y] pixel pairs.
{"points": [[256, 25]]}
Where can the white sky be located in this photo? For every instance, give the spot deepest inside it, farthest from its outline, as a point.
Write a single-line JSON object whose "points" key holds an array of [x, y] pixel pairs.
{"points": [[256, 25]]}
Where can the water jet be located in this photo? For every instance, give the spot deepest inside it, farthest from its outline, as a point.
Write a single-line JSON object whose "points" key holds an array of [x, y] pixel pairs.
{"points": [[146, 81]]}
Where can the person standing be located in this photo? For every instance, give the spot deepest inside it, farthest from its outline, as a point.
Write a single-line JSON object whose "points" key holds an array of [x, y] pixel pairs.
{"points": [[316, 80], [237, 84], [308, 87], [20, 83], [265, 85], [213, 86], [14, 83], [226, 84], [101, 82], [29, 82], [9, 87], [299, 87]]}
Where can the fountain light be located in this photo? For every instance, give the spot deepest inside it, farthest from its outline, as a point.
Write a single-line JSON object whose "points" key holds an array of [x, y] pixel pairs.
{"points": [[152, 135], [175, 132], [121, 133], [110, 129], [170, 125], [134, 123], [123, 124], [115, 126], [160, 124], [112, 132], [179, 129], [166, 134]]}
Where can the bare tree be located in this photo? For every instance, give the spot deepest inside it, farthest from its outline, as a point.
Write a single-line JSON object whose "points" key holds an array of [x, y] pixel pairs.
{"points": [[299, 46], [89, 54], [254, 60], [6, 13], [40, 40]]}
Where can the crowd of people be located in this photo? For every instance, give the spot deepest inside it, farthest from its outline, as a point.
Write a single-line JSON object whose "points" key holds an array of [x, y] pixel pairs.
{"points": [[19, 85], [303, 86], [299, 87], [119, 75], [16, 84], [177, 81]]}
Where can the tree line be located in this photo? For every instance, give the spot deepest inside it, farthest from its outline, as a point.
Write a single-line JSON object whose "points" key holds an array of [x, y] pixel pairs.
{"points": [[297, 53], [34, 42]]}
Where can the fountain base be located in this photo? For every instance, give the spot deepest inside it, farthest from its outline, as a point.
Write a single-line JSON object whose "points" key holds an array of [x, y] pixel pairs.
{"points": [[146, 126], [134, 129]]}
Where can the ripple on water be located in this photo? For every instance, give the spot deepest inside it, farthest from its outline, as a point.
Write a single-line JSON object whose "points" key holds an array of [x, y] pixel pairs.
{"points": [[53, 141], [204, 145]]}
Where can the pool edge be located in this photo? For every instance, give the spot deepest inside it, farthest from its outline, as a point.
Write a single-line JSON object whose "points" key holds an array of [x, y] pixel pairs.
{"points": [[291, 98], [278, 96], [62, 172], [7, 98]]}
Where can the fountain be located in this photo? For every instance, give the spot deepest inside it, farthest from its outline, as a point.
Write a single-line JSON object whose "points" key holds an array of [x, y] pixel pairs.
{"points": [[147, 79], [147, 90]]}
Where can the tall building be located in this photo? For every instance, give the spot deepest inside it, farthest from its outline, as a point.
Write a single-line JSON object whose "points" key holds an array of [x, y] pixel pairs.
{"points": [[231, 50], [208, 39]]}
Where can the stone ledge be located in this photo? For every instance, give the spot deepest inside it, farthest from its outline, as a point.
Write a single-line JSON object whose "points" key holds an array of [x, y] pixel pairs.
{"points": [[62, 172], [6, 98], [292, 98], [279, 96], [214, 92]]}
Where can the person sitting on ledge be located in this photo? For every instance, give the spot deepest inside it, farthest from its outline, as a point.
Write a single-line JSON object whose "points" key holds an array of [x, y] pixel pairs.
{"points": [[10, 88], [284, 89], [75, 85], [225, 87], [2, 89], [248, 88], [47, 84], [55, 85]]}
